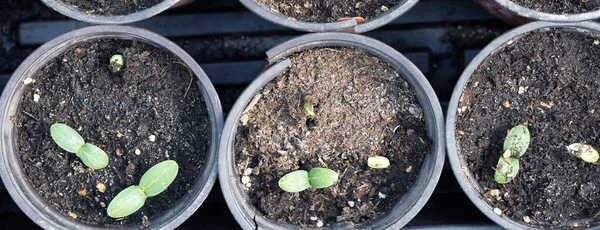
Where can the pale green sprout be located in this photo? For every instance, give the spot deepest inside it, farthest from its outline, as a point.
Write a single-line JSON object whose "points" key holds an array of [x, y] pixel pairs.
{"points": [[70, 140], [586, 152], [301, 180], [309, 109], [515, 145], [153, 182], [116, 63], [378, 162]]}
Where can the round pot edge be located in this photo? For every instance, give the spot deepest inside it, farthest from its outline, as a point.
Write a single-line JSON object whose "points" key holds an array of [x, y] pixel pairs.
{"points": [[369, 25], [330, 38], [455, 160], [74, 13], [212, 102], [537, 15]]}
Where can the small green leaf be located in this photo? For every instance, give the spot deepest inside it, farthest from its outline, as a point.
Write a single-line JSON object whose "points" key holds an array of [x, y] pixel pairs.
{"points": [[159, 177], [378, 162], [322, 177], [586, 152], [309, 109], [66, 137], [117, 62], [127, 202], [517, 140], [506, 170], [92, 156], [295, 181]]}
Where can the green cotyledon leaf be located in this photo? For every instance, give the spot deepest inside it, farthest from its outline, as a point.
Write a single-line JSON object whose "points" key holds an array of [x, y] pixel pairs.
{"points": [[126, 202], [322, 177], [92, 156], [159, 177], [66, 137], [295, 181]]}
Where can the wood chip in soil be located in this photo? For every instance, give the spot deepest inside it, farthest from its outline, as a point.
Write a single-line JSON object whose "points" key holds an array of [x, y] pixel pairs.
{"points": [[118, 113], [548, 80], [364, 108]]}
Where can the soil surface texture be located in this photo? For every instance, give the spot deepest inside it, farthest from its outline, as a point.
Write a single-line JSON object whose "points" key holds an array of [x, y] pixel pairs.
{"points": [[323, 11], [548, 80], [139, 116], [112, 7], [363, 108], [560, 6]]}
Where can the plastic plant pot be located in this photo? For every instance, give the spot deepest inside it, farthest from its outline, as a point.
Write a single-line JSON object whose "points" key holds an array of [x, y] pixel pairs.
{"points": [[347, 26], [81, 15], [514, 14], [461, 170], [409, 205], [27, 198]]}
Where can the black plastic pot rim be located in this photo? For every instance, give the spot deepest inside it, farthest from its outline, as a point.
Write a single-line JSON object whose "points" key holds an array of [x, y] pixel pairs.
{"points": [[410, 204], [461, 171], [370, 24], [22, 192], [78, 14], [536, 15]]}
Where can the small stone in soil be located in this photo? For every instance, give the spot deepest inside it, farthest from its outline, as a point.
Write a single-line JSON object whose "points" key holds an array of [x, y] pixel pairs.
{"points": [[498, 211], [138, 152], [27, 81], [382, 196], [314, 218], [102, 204], [101, 187], [409, 169], [351, 204], [248, 171], [384, 8], [506, 104], [36, 97], [82, 192], [526, 219], [72, 215], [319, 224], [245, 180], [249, 185], [152, 138], [596, 42]]}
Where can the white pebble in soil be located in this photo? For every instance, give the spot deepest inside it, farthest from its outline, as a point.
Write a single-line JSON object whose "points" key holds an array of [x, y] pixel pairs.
{"points": [[248, 171], [249, 185], [36, 97], [351, 204], [526, 219], [497, 211], [152, 138], [382, 196], [138, 152], [245, 179], [319, 224], [314, 218], [27, 81]]}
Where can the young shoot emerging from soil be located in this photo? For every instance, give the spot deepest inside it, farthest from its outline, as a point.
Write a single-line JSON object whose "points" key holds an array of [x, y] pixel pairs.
{"points": [[309, 109], [378, 162], [153, 182], [586, 152], [116, 63], [300, 180], [515, 145], [70, 140]]}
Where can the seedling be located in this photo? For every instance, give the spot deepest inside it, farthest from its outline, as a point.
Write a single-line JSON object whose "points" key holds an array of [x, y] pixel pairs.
{"points": [[586, 152], [309, 109], [153, 182], [378, 162], [116, 63], [300, 180], [515, 145], [70, 140]]}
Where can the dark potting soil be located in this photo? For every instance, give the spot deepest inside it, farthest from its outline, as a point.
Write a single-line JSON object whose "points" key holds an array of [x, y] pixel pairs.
{"points": [[364, 108], [118, 112], [548, 80], [560, 6], [323, 11], [112, 7]]}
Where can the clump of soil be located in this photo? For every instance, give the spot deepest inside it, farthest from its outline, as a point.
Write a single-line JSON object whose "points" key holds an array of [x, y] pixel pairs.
{"points": [[364, 108], [112, 7], [117, 112], [560, 6], [548, 80], [328, 10]]}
